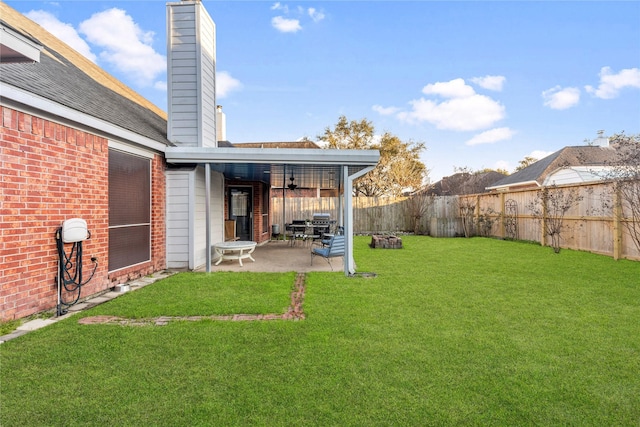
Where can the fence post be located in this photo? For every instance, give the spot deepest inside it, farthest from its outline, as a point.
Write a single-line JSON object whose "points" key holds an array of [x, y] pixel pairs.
{"points": [[502, 232], [543, 220], [477, 213], [617, 224]]}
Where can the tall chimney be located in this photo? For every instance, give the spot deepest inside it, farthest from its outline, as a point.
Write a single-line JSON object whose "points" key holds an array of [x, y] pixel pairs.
{"points": [[221, 124], [601, 140], [191, 75]]}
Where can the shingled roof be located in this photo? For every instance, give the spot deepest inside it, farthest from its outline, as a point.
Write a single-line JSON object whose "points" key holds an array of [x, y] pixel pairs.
{"points": [[464, 183], [66, 77], [534, 174]]}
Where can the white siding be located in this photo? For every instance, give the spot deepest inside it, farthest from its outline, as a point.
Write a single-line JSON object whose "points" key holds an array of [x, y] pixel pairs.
{"points": [[191, 75], [577, 174], [563, 176], [179, 217], [208, 79]]}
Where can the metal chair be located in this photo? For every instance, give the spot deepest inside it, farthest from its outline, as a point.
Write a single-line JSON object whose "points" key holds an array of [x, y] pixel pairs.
{"points": [[335, 248]]}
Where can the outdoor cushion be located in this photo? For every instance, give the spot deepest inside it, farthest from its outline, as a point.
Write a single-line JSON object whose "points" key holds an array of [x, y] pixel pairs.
{"points": [[321, 251]]}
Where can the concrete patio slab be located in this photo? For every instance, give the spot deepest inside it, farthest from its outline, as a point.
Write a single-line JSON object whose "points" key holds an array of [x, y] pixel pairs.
{"points": [[280, 256]]}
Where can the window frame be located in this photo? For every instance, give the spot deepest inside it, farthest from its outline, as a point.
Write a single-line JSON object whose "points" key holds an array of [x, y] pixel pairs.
{"points": [[148, 158]]}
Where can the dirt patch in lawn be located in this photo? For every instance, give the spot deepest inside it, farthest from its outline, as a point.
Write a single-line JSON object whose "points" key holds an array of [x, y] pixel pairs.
{"points": [[294, 312]]}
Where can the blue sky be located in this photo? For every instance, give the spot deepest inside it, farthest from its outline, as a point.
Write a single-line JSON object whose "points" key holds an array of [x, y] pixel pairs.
{"points": [[483, 84]]}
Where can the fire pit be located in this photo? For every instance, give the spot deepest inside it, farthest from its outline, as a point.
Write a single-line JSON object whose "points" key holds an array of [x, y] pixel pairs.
{"points": [[385, 242]]}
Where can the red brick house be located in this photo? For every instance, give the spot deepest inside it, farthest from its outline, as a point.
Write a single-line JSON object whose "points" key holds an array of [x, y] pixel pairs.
{"points": [[77, 143]]}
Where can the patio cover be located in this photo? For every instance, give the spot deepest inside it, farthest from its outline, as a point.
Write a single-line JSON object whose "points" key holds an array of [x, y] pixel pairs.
{"points": [[327, 168]]}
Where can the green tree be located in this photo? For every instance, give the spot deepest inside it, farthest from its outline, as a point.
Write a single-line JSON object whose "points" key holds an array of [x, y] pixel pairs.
{"points": [[527, 161], [399, 168]]}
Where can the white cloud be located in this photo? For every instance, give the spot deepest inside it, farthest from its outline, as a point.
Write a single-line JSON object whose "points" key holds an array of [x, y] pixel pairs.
{"points": [[385, 111], [64, 32], [125, 45], [464, 110], [502, 165], [226, 84], [559, 98], [160, 85], [315, 15], [459, 114], [280, 6], [540, 154], [611, 84], [490, 82], [285, 25], [456, 88], [491, 136], [290, 20]]}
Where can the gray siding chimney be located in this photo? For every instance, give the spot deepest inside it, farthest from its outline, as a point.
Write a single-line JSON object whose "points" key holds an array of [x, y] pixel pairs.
{"points": [[191, 75]]}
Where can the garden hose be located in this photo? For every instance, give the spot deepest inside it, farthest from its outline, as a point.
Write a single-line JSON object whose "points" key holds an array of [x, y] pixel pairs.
{"points": [[70, 272]]}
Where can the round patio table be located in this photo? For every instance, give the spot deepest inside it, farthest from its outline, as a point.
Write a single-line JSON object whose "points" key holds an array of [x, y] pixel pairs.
{"points": [[239, 249]]}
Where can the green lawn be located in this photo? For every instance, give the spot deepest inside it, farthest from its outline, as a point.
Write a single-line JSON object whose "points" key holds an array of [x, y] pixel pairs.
{"points": [[451, 332]]}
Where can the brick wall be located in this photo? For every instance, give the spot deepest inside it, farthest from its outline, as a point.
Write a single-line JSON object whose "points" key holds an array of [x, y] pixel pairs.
{"points": [[50, 173]]}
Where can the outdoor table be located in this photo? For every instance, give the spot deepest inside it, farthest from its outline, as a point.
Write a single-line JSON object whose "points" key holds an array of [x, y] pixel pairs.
{"points": [[239, 249], [298, 231]]}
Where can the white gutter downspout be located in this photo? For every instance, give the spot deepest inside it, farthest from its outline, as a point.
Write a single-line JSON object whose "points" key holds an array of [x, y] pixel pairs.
{"points": [[349, 262]]}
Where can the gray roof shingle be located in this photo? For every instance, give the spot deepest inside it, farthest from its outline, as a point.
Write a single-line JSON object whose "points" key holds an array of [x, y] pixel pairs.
{"points": [[65, 77]]}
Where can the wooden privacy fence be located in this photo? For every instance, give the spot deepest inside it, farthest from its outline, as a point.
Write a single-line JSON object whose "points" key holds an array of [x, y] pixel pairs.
{"points": [[593, 224], [370, 214], [598, 221], [375, 214]]}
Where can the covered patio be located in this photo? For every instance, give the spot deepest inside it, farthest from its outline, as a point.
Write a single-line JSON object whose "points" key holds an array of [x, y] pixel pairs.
{"points": [[325, 168], [279, 256]]}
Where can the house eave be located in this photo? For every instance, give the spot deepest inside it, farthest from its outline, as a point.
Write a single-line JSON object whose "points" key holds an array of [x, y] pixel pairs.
{"points": [[506, 187], [15, 48], [300, 156]]}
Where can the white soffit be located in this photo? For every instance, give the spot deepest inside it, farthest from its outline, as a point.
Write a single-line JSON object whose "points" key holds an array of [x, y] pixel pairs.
{"points": [[17, 48]]}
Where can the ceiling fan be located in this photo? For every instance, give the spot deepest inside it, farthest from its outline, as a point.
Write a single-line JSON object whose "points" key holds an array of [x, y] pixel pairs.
{"points": [[292, 186]]}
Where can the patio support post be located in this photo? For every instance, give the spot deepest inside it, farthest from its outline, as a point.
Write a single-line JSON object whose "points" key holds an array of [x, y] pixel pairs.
{"points": [[207, 210], [284, 207], [349, 262], [341, 181]]}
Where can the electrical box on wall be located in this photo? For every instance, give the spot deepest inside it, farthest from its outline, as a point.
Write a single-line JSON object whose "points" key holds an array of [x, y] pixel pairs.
{"points": [[74, 230]]}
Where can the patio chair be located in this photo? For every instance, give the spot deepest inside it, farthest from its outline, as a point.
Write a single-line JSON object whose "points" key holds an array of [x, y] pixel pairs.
{"points": [[326, 239], [230, 230], [334, 249]]}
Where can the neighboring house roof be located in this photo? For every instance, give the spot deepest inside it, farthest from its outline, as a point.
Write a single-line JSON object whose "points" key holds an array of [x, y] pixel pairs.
{"points": [[465, 183], [69, 79], [535, 174], [290, 144]]}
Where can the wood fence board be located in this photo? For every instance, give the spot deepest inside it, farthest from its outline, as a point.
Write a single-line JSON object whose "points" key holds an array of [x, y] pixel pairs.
{"points": [[589, 225]]}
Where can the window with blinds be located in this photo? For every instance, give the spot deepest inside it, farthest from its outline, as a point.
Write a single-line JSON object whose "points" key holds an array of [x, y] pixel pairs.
{"points": [[129, 209]]}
